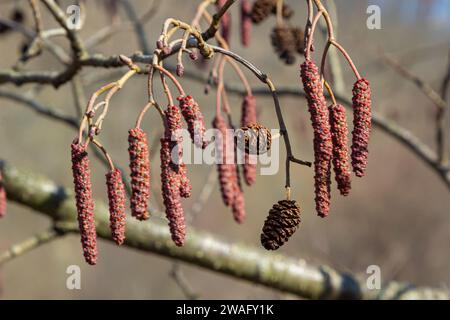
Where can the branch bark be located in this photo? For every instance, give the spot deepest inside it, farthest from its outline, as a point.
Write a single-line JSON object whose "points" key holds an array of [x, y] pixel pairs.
{"points": [[204, 250]]}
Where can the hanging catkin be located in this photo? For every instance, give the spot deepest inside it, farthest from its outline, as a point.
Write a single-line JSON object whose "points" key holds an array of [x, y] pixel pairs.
{"points": [[280, 225], [2, 197], [225, 22], [322, 136], [116, 197], [339, 134], [194, 119], [248, 117], [140, 173], [170, 186], [84, 201], [362, 115], [246, 22]]}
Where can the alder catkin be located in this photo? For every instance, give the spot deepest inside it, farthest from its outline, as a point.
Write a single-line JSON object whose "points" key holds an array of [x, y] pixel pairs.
{"points": [[140, 173], [339, 135], [238, 206], [185, 183], [249, 117], [2, 197], [281, 224], [226, 168], [322, 136], [84, 201], [362, 124], [116, 197], [170, 187], [194, 119], [246, 22], [225, 22]]}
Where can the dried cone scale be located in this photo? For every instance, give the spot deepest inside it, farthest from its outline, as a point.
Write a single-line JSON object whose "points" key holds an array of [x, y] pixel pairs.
{"points": [[84, 201], [339, 134], [362, 124], [2, 197], [281, 224], [116, 197], [140, 173], [322, 135]]}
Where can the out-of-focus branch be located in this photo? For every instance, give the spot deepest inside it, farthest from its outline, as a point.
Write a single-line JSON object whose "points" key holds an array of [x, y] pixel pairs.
{"points": [[438, 101], [29, 244], [240, 261]]}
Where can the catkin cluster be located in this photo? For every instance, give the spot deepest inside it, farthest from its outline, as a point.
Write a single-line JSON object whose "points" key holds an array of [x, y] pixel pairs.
{"points": [[84, 201], [362, 115], [2, 197], [140, 173], [322, 135]]}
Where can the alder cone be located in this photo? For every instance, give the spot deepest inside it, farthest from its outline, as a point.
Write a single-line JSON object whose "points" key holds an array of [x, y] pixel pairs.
{"points": [[339, 134], [257, 138], [117, 199], [299, 37], [2, 197], [362, 125], [194, 119], [322, 135], [284, 43], [280, 225], [246, 22], [262, 9], [140, 173], [84, 201], [170, 186]]}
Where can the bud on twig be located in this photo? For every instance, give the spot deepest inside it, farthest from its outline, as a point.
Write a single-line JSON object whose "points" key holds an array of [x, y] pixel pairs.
{"points": [[281, 224], [362, 124], [116, 197], [140, 173], [84, 201], [322, 136]]}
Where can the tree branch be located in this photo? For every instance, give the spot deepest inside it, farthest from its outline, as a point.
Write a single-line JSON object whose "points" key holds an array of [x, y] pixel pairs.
{"points": [[204, 250]]}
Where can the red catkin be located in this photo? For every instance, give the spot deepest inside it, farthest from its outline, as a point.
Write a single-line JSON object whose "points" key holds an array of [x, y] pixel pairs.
{"points": [[322, 136], [225, 22], [185, 183], [238, 206], [84, 201], [362, 124], [140, 173], [194, 119], [249, 117], [116, 197], [339, 135], [227, 168], [170, 186], [246, 22], [2, 197]]}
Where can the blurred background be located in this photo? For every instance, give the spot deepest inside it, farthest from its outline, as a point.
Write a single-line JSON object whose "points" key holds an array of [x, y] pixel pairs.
{"points": [[397, 217]]}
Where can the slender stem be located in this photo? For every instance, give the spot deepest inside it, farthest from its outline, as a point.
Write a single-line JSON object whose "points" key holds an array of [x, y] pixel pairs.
{"points": [[347, 57], [279, 12], [330, 92], [311, 36], [171, 77], [105, 153], [214, 27]]}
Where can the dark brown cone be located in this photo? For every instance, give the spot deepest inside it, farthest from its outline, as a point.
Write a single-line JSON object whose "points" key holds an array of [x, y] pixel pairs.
{"points": [[287, 11], [258, 139], [280, 225], [299, 36], [339, 135], [323, 146], [140, 173], [284, 43], [84, 202], [362, 125], [170, 186], [117, 199], [2, 198], [262, 9]]}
